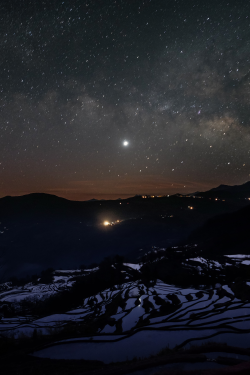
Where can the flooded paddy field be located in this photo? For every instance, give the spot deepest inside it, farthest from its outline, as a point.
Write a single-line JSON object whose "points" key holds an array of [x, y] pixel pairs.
{"points": [[133, 320]]}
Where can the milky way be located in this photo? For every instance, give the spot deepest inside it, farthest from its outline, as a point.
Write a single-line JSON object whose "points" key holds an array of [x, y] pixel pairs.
{"points": [[78, 79]]}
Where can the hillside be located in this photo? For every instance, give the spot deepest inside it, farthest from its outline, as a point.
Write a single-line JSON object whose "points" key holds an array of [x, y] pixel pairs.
{"points": [[225, 234], [38, 231]]}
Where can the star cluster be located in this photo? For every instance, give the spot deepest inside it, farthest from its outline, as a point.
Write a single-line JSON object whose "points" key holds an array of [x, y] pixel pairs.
{"points": [[113, 98]]}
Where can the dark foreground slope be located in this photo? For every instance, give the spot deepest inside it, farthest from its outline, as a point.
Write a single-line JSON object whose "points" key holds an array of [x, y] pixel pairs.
{"points": [[225, 234]]}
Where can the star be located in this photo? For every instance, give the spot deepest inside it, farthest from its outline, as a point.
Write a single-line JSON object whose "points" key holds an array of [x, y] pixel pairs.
{"points": [[125, 143]]}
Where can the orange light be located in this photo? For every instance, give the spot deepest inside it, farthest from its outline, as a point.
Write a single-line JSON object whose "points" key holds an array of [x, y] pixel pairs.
{"points": [[106, 223]]}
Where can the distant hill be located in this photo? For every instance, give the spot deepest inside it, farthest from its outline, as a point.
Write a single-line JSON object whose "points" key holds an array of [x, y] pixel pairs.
{"points": [[232, 193], [235, 188], [38, 231]]}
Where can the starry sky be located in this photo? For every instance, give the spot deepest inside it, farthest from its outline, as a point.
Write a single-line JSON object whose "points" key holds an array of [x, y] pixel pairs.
{"points": [[108, 99]]}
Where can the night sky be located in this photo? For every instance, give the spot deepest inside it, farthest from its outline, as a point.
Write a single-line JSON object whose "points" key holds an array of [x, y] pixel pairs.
{"points": [[108, 99]]}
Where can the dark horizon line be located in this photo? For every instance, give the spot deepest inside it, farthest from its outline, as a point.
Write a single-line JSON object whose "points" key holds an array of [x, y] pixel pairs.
{"points": [[87, 200], [113, 196]]}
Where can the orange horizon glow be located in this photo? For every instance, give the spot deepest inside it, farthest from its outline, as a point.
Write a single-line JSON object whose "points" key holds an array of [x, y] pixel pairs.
{"points": [[114, 189], [111, 189]]}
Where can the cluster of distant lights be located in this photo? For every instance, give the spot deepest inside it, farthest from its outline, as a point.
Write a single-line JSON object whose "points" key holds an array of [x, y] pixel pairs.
{"points": [[107, 223]]}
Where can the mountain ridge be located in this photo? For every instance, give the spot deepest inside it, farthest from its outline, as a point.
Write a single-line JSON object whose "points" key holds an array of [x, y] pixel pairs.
{"points": [[41, 230]]}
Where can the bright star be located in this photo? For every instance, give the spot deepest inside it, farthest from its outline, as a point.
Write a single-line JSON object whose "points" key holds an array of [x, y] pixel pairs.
{"points": [[125, 143]]}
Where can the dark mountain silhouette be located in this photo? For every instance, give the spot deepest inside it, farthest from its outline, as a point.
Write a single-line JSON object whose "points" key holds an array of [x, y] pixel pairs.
{"points": [[234, 189], [232, 193], [38, 231]]}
